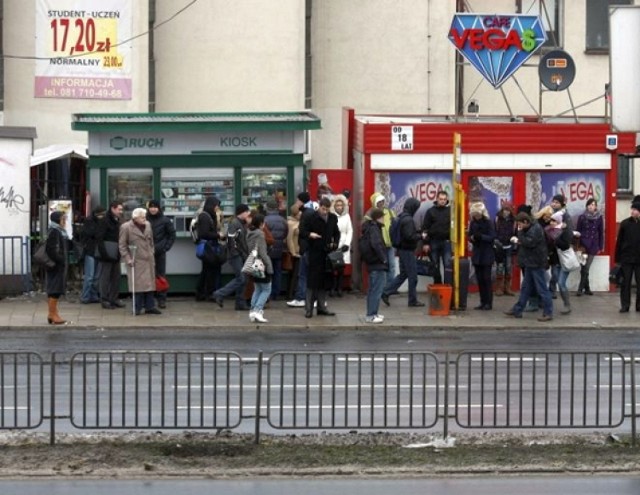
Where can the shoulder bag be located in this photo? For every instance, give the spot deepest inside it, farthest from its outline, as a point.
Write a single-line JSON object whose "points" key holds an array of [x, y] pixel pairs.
{"points": [[41, 258], [569, 260], [254, 266]]}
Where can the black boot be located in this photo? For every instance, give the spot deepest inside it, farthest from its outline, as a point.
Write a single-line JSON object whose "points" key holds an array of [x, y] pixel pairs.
{"points": [[587, 289], [581, 284], [308, 304], [338, 284]]}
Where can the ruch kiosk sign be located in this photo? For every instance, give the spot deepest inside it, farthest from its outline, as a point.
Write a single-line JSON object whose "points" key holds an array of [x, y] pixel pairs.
{"points": [[497, 45]]}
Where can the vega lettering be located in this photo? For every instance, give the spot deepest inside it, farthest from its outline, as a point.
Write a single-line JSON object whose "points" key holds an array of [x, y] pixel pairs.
{"points": [[426, 191], [581, 191], [492, 37], [11, 200]]}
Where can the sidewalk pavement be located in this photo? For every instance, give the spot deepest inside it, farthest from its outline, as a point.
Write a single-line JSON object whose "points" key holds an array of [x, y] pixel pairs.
{"points": [[29, 311]]}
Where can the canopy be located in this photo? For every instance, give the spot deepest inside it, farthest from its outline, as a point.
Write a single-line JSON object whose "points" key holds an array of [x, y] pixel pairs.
{"points": [[58, 151]]}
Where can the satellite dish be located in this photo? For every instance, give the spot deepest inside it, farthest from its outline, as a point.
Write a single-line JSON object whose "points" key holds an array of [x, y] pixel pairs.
{"points": [[557, 70]]}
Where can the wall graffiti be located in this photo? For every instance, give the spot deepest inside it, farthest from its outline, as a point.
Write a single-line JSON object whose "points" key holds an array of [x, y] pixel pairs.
{"points": [[12, 200]]}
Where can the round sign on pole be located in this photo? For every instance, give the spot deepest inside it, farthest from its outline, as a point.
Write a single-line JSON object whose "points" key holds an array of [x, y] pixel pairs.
{"points": [[556, 70]]}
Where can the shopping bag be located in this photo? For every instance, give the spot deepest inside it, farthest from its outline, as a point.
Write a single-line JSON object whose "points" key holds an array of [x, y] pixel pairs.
{"points": [[254, 266], [569, 260], [40, 256], [211, 252], [162, 284]]}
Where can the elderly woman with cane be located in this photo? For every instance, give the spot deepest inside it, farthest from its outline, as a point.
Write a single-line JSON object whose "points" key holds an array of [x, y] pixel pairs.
{"points": [[137, 251]]}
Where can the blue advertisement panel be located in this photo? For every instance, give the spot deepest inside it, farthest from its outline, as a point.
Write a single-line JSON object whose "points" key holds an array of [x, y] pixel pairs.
{"points": [[492, 191], [397, 187], [577, 187]]}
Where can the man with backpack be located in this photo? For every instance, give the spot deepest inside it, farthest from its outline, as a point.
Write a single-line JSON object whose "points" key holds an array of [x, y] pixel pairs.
{"points": [[373, 253], [405, 237]]}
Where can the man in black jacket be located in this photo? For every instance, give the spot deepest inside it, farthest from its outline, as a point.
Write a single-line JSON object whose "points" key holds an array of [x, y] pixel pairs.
{"points": [[107, 236], [164, 235], [279, 229], [90, 292], [407, 254], [628, 255], [437, 225]]}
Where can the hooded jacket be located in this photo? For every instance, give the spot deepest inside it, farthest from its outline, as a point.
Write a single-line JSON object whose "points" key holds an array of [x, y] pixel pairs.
{"points": [[345, 226], [409, 235], [388, 217], [208, 220]]}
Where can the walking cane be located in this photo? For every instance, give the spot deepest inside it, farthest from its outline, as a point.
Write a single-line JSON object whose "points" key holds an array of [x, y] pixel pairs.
{"points": [[133, 249]]}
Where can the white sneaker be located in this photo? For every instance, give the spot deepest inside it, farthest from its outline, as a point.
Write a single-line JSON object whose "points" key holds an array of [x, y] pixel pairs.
{"points": [[260, 317], [295, 303], [252, 316], [374, 319], [381, 316]]}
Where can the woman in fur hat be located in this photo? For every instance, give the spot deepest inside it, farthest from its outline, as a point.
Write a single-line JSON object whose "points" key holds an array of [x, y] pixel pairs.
{"points": [[482, 234]]}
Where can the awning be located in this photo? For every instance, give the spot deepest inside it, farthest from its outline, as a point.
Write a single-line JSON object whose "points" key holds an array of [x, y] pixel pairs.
{"points": [[58, 151]]}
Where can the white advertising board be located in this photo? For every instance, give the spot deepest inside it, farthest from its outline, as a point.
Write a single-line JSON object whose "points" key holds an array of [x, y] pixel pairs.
{"points": [[624, 44]]}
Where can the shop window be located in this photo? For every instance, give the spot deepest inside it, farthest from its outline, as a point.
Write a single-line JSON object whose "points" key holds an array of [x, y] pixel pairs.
{"points": [[260, 186], [598, 23], [133, 188], [549, 12], [625, 175]]}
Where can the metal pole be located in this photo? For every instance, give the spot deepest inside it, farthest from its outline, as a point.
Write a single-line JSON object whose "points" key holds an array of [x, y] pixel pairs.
{"points": [[52, 404], [258, 398], [634, 417]]}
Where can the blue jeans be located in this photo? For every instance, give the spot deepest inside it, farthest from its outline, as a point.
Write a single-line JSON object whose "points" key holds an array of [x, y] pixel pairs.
{"points": [[91, 277], [504, 267], [276, 280], [391, 262], [301, 290], [377, 281], [563, 275], [261, 293], [534, 281], [440, 251], [235, 286], [408, 271]]}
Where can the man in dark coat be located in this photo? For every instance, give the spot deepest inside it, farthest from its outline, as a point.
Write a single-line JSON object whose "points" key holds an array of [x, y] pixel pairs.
{"points": [[279, 229], [437, 225], [164, 235], [377, 262], [481, 235], [628, 256], [407, 255], [90, 292], [108, 232], [321, 236]]}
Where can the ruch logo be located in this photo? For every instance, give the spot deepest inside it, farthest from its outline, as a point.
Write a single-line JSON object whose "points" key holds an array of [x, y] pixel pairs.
{"points": [[120, 143], [497, 45]]}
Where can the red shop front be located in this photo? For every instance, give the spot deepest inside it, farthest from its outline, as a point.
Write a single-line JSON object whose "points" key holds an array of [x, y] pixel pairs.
{"points": [[520, 162]]}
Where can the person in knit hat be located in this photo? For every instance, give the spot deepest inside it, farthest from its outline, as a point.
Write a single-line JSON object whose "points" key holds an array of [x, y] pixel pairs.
{"points": [[627, 254], [378, 200], [481, 236], [164, 235], [505, 225], [90, 293]]}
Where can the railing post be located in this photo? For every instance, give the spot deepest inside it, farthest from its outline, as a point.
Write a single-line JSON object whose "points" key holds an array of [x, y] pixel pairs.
{"points": [[633, 400], [446, 396], [52, 399], [258, 397]]}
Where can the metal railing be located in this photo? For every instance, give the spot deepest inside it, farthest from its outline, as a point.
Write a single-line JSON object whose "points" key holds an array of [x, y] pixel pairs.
{"points": [[15, 264], [139, 390]]}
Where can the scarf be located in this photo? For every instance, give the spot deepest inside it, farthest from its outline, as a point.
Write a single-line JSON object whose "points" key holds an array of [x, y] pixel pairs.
{"points": [[592, 216], [54, 225]]}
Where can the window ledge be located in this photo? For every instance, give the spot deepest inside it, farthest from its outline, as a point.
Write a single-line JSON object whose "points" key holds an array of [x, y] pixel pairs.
{"points": [[596, 51]]}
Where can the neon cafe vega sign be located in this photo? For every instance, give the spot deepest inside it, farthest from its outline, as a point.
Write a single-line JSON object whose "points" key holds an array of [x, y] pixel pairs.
{"points": [[497, 45]]}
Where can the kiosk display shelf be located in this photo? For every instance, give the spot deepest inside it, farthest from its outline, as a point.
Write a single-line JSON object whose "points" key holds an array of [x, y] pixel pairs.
{"points": [[258, 187]]}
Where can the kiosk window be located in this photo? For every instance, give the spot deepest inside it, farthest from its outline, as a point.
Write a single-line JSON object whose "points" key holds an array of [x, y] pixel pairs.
{"points": [[133, 187]]}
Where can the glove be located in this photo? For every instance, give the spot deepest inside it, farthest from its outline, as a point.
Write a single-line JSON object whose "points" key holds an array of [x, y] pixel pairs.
{"points": [[344, 248], [514, 240]]}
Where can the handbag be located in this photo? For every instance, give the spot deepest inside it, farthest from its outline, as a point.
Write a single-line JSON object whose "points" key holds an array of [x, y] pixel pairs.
{"points": [[427, 267], [162, 284], [287, 261], [253, 265], [568, 260], [336, 258], [111, 249], [211, 252], [40, 256]]}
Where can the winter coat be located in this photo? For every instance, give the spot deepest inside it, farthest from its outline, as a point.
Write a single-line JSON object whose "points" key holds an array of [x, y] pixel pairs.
{"points": [[293, 233], [256, 240], [628, 242], [374, 229], [57, 249], [388, 217], [591, 228], [482, 234], [279, 229], [164, 233], [143, 277], [532, 247], [505, 229], [89, 233], [208, 220], [317, 249], [345, 227], [237, 239], [437, 222], [409, 236], [305, 217], [108, 231]]}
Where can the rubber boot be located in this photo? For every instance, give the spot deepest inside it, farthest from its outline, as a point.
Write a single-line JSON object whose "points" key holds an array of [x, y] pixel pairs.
{"points": [[564, 294], [53, 317], [499, 285], [507, 286]]}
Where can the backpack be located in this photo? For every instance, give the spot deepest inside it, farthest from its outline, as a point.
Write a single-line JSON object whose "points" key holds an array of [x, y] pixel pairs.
{"points": [[395, 232], [365, 248]]}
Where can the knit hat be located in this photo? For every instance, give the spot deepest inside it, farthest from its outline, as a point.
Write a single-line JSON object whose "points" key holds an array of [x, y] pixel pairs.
{"points": [[560, 199], [56, 216], [241, 208], [524, 209], [153, 203], [523, 217], [304, 197], [635, 205], [557, 217]]}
